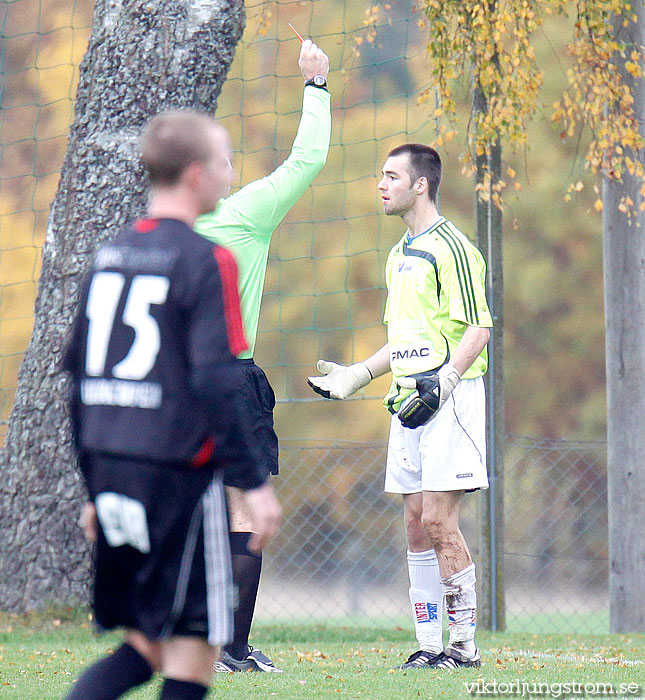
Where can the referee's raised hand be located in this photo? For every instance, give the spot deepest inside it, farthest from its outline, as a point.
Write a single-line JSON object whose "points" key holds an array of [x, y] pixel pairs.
{"points": [[313, 61], [266, 515]]}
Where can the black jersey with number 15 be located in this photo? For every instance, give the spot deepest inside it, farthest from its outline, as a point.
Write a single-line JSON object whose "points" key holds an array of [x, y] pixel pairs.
{"points": [[152, 350]]}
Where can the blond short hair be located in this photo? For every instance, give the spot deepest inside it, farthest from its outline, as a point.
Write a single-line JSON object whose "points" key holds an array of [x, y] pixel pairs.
{"points": [[174, 139]]}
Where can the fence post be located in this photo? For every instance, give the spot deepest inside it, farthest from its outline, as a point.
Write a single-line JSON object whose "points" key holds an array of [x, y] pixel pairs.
{"points": [[492, 613]]}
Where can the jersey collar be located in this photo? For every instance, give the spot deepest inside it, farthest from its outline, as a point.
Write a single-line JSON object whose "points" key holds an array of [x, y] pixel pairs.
{"points": [[409, 238]]}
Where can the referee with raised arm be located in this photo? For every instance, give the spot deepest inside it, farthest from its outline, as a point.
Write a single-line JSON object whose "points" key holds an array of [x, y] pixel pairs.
{"points": [[154, 397], [244, 223], [437, 327]]}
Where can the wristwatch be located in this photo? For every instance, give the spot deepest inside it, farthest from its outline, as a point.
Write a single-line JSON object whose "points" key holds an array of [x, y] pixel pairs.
{"points": [[318, 81]]}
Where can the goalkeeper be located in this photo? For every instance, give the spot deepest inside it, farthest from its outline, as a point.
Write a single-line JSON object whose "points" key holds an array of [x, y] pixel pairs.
{"points": [[437, 325], [244, 223]]}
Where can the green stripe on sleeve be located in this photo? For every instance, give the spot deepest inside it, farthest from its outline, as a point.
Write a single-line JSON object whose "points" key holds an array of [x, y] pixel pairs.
{"points": [[463, 274]]}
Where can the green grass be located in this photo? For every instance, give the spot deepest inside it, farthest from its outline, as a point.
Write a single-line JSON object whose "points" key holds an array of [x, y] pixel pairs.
{"points": [[40, 656]]}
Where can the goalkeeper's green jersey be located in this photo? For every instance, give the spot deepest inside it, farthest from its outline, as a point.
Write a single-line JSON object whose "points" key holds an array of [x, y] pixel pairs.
{"points": [[245, 221], [436, 285]]}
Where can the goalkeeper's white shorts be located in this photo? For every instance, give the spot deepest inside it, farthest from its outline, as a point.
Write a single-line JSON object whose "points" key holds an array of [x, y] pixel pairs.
{"points": [[446, 454]]}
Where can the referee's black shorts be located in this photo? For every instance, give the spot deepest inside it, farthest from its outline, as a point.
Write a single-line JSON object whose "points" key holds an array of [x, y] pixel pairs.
{"points": [[162, 557], [257, 400]]}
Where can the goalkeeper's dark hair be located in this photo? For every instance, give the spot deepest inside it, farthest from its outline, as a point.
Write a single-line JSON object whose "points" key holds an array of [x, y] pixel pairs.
{"points": [[424, 162], [173, 140]]}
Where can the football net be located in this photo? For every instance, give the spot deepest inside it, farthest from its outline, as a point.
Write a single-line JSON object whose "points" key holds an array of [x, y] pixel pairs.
{"points": [[324, 293]]}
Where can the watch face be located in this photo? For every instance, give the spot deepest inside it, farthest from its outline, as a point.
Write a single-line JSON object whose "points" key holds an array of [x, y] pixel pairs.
{"points": [[319, 79]]}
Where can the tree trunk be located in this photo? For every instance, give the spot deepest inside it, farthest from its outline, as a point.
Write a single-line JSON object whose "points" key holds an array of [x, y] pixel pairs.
{"points": [[624, 275], [143, 57]]}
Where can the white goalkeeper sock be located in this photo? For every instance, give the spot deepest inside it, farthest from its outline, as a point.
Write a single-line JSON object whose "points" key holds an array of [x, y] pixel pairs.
{"points": [[426, 599], [461, 604]]}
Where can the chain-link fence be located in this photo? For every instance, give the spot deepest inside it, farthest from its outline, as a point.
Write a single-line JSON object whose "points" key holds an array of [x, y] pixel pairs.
{"points": [[555, 534], [341, 552]]}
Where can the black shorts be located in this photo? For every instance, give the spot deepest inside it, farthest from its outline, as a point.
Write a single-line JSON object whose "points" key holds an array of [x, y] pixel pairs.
{"points": [[258, 401], [162, 557]]}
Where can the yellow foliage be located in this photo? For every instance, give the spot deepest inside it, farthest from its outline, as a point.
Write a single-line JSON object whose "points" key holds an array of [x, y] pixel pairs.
{"points": [[325, 282], [43, 45], [494, 40]]}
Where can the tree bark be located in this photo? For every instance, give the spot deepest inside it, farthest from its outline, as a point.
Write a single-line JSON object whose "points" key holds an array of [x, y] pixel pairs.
{"points": [[142, 57], [624, 276]]}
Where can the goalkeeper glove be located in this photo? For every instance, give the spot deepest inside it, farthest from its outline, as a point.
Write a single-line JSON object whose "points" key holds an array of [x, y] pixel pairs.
{"points": [[431, 393], [339, 381]]}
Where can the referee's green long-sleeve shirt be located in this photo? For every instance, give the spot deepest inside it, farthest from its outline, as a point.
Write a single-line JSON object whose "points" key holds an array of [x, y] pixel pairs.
{"points": [[245, 221]]}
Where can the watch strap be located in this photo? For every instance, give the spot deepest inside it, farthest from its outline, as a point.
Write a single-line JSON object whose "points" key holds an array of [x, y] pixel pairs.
{"points": [[320, 85]]}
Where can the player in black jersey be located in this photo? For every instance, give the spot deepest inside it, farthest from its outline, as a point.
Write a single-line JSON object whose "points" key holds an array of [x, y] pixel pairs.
{"points": [[154, 397]]}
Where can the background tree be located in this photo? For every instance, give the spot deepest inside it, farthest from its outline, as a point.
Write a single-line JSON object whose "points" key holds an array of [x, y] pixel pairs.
{"points": [[336, 239], [624, 268], [142, 57], [491, 41]]}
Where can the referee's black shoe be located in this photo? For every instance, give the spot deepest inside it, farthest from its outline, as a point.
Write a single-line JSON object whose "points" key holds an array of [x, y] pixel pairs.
{"points": [[420, 659], [255, 661]]}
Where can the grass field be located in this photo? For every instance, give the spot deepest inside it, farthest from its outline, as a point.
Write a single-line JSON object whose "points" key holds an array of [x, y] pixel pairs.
{"points": [[40, 656]]}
